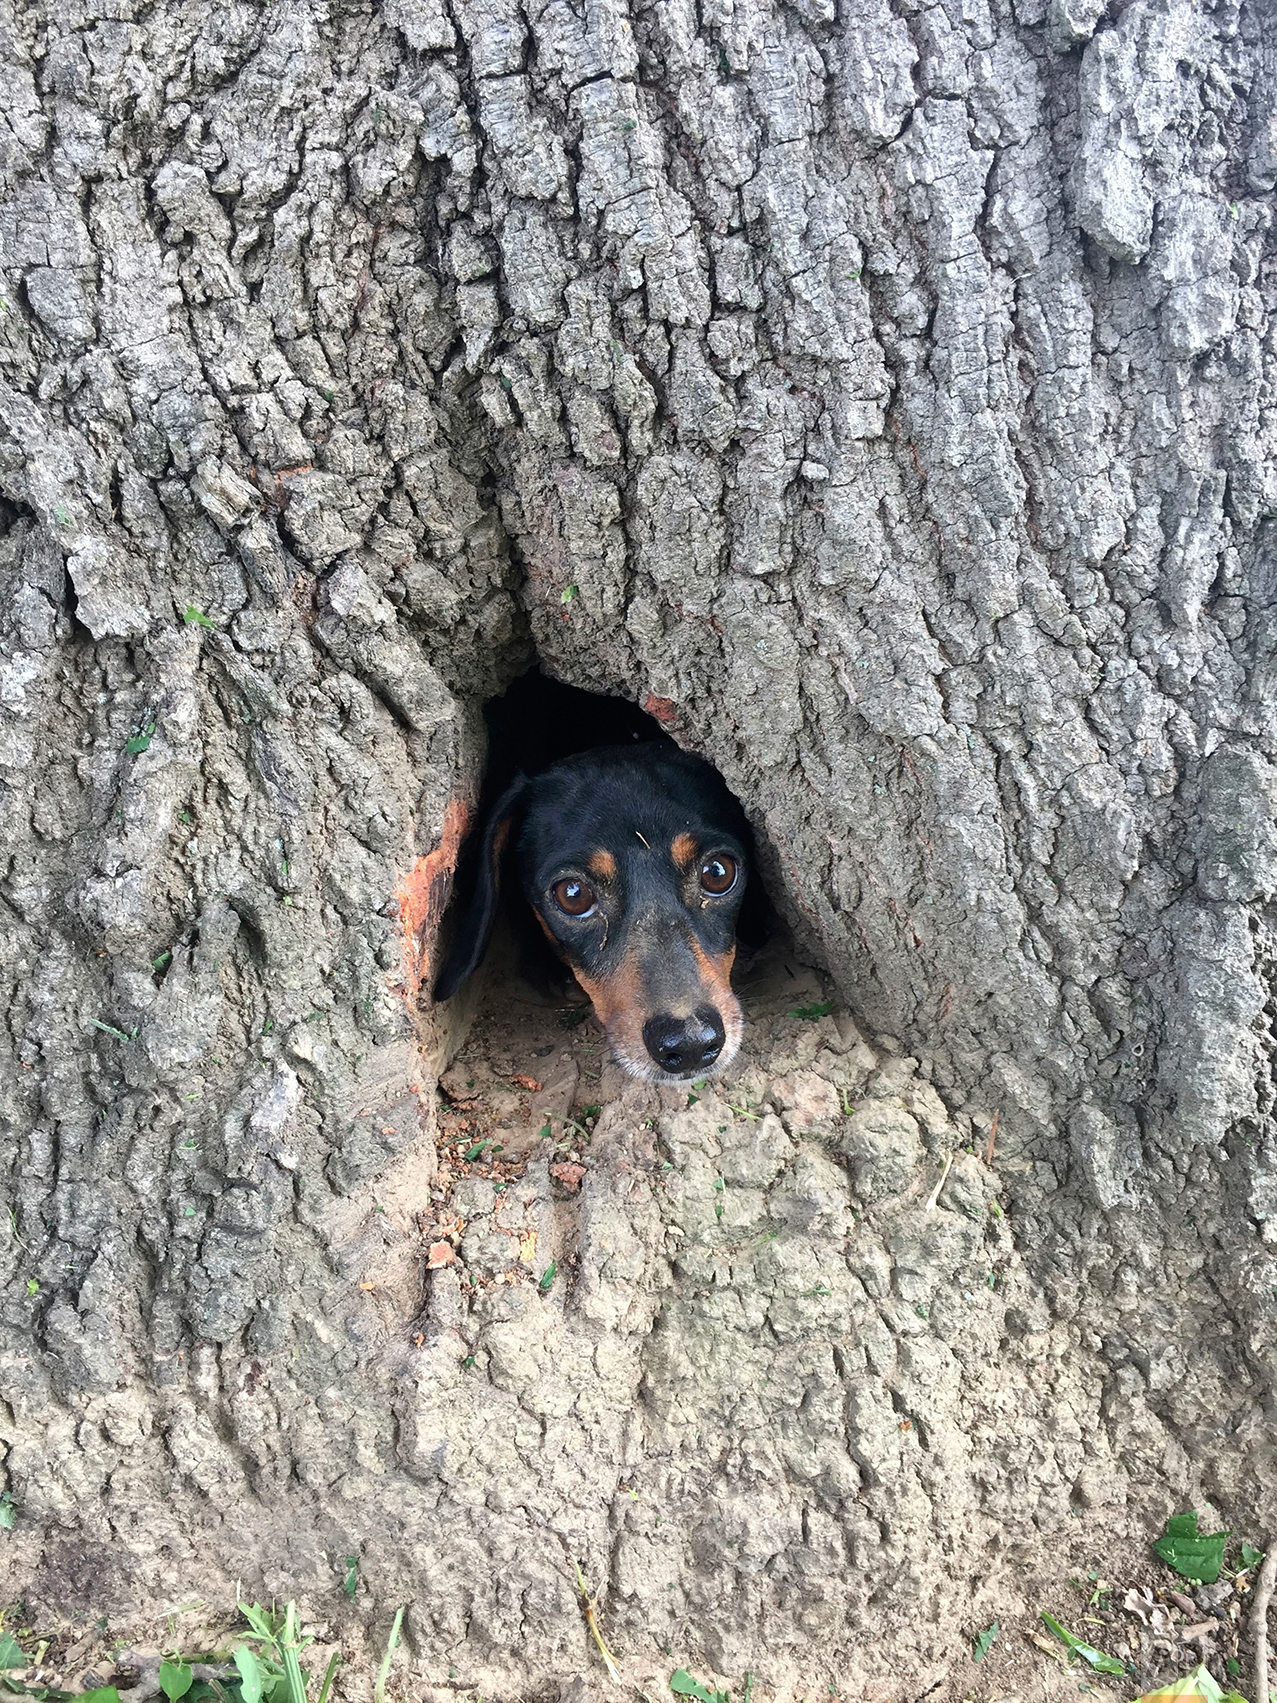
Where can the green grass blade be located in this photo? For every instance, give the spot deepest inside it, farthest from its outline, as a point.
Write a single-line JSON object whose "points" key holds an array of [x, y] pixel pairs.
{"points": [[383, 1672], [288, 1647], [328, 1676]]}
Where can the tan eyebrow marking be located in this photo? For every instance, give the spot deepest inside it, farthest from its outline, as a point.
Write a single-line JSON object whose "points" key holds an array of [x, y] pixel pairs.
{"points": [[602, 864], [683, 849]]}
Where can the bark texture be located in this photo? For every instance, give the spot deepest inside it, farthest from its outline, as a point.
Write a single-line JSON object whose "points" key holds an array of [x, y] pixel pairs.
{"points": [[884, 395]]}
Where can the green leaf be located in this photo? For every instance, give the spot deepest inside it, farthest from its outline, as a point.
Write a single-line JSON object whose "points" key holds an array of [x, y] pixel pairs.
{"points": [[140, 741], [1192, 1554], [1200, 1686], [259, 1620], [195, 617], [100, 1694], [351, 1582], [383, 1672], [547, 1280], [250, 1675], [1251, 1557], [33, 1288], [475, 1152], [1095, 1658], [984, 1642], [813, 1011], [175, 1680], [10, 1655], [571, 592], [682, 1682]]}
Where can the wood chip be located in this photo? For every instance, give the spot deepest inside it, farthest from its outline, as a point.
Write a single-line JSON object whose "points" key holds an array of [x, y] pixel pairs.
{"points": [[440, 1254]]}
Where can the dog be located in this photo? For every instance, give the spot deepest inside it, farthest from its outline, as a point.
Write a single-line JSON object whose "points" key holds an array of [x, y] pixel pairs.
{"points": [[635, 861]]}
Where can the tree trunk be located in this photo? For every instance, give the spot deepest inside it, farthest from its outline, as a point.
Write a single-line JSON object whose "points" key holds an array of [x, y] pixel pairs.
{"points": [[883, 397]]}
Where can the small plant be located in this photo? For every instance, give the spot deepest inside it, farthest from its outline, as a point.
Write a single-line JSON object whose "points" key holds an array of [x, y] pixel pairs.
{"points": [[1190, 1553], [1093, 1588], [175, 1679], [7, 1515], [141, 740], [573, 1018], [273, 1670], [983, 1642], [195, 617], [548, 1277], [811, 1012], [682, 1682], [383, 1672]]}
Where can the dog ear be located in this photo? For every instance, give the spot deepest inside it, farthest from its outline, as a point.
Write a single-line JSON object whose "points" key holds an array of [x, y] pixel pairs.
{"points": [[471, 942]]}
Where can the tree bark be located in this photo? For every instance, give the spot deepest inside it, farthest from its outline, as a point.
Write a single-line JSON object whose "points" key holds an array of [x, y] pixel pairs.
{"points": [[882, 395]]}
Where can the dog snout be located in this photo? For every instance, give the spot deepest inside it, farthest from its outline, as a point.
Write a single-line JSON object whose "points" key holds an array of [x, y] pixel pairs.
{"points": [[684, 1045]]}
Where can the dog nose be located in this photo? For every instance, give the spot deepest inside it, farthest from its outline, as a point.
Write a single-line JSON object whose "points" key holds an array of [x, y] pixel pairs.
{"points": [[684, 1045]]}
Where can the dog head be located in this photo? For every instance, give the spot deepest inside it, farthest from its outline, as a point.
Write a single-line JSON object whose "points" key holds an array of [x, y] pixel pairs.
{"points": [[634, 860]]}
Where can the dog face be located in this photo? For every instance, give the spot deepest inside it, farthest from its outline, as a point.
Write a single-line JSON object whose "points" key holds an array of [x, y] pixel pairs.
{"points": [[634, 860]]}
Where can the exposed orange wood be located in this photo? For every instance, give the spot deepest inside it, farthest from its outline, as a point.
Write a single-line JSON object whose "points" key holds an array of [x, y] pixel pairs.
{"points": [[422, 894]]}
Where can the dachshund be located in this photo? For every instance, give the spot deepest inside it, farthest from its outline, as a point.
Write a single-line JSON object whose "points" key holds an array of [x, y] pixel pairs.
{"points": [[635, 861]]}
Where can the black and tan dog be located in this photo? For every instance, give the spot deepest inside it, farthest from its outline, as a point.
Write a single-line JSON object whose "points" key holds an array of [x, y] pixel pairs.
{"points": [[634, 860]]}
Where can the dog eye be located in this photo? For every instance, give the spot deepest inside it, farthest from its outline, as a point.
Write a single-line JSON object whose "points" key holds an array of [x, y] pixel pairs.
{"points": [[574, 898], [718, 875]]}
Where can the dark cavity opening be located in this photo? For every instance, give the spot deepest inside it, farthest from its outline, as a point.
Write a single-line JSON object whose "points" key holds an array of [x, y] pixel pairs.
{"points": [[537, 721]]}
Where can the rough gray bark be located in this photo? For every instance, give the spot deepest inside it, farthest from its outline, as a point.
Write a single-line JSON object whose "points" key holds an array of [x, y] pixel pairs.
{"points": [[894, 385]]}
